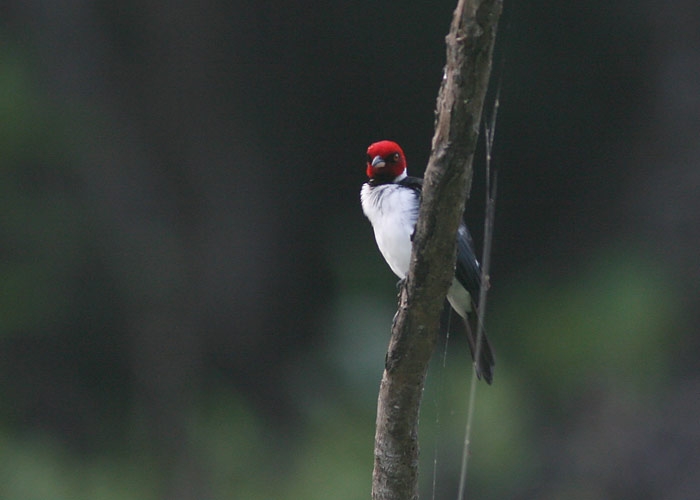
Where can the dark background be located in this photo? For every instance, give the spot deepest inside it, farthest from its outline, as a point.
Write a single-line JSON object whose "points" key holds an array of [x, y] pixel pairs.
{"points": [[191, 302]]}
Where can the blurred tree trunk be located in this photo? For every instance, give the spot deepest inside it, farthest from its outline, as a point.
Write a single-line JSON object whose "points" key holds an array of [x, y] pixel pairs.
{"points": [[448, 176], [147, 159]]}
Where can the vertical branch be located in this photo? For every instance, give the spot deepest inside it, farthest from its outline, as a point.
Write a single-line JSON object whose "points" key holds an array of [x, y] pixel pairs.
{"points": [[447, 181]]}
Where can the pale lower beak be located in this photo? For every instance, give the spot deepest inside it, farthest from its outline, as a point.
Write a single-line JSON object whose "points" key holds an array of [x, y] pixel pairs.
{"points": [[378, 162]]}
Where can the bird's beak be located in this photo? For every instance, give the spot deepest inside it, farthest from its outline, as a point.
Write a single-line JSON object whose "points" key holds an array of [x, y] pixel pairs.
{"points": [[378, 162]]}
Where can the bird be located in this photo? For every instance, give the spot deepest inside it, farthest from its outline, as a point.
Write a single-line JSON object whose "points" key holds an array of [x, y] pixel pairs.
{"points": [[391, 199]]}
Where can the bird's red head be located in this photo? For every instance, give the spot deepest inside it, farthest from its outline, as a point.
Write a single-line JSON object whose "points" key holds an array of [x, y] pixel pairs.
{"points": [[385, 161]]}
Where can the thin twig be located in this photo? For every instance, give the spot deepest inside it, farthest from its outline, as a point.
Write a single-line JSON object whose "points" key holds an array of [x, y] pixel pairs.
{"points": [[489, 131]]}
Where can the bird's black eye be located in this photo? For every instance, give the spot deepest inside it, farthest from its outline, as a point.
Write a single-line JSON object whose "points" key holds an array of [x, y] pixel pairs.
{"points": [[395, 157]]}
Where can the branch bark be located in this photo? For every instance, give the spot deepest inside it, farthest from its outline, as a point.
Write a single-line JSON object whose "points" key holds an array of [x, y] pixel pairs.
{"points": [[447, 182]]}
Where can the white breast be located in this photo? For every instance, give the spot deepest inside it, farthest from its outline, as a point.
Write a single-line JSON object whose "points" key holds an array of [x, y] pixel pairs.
{"points": [[393, 210]]}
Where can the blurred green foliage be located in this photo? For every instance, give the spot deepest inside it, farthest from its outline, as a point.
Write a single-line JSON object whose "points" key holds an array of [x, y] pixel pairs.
{"points": [[608, 322], [182, 317], [600, 326], [41, 222]]}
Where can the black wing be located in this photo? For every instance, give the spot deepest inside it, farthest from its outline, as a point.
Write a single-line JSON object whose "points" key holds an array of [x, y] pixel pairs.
{"points": [[415, 183], [467, 270], [468, 274]]}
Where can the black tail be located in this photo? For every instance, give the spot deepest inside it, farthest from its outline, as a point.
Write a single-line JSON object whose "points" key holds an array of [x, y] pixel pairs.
{"points": [[486, 363]]}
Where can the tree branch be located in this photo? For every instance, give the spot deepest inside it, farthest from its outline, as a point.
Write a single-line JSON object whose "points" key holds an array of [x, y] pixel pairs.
{"points": [[447, 182]]}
